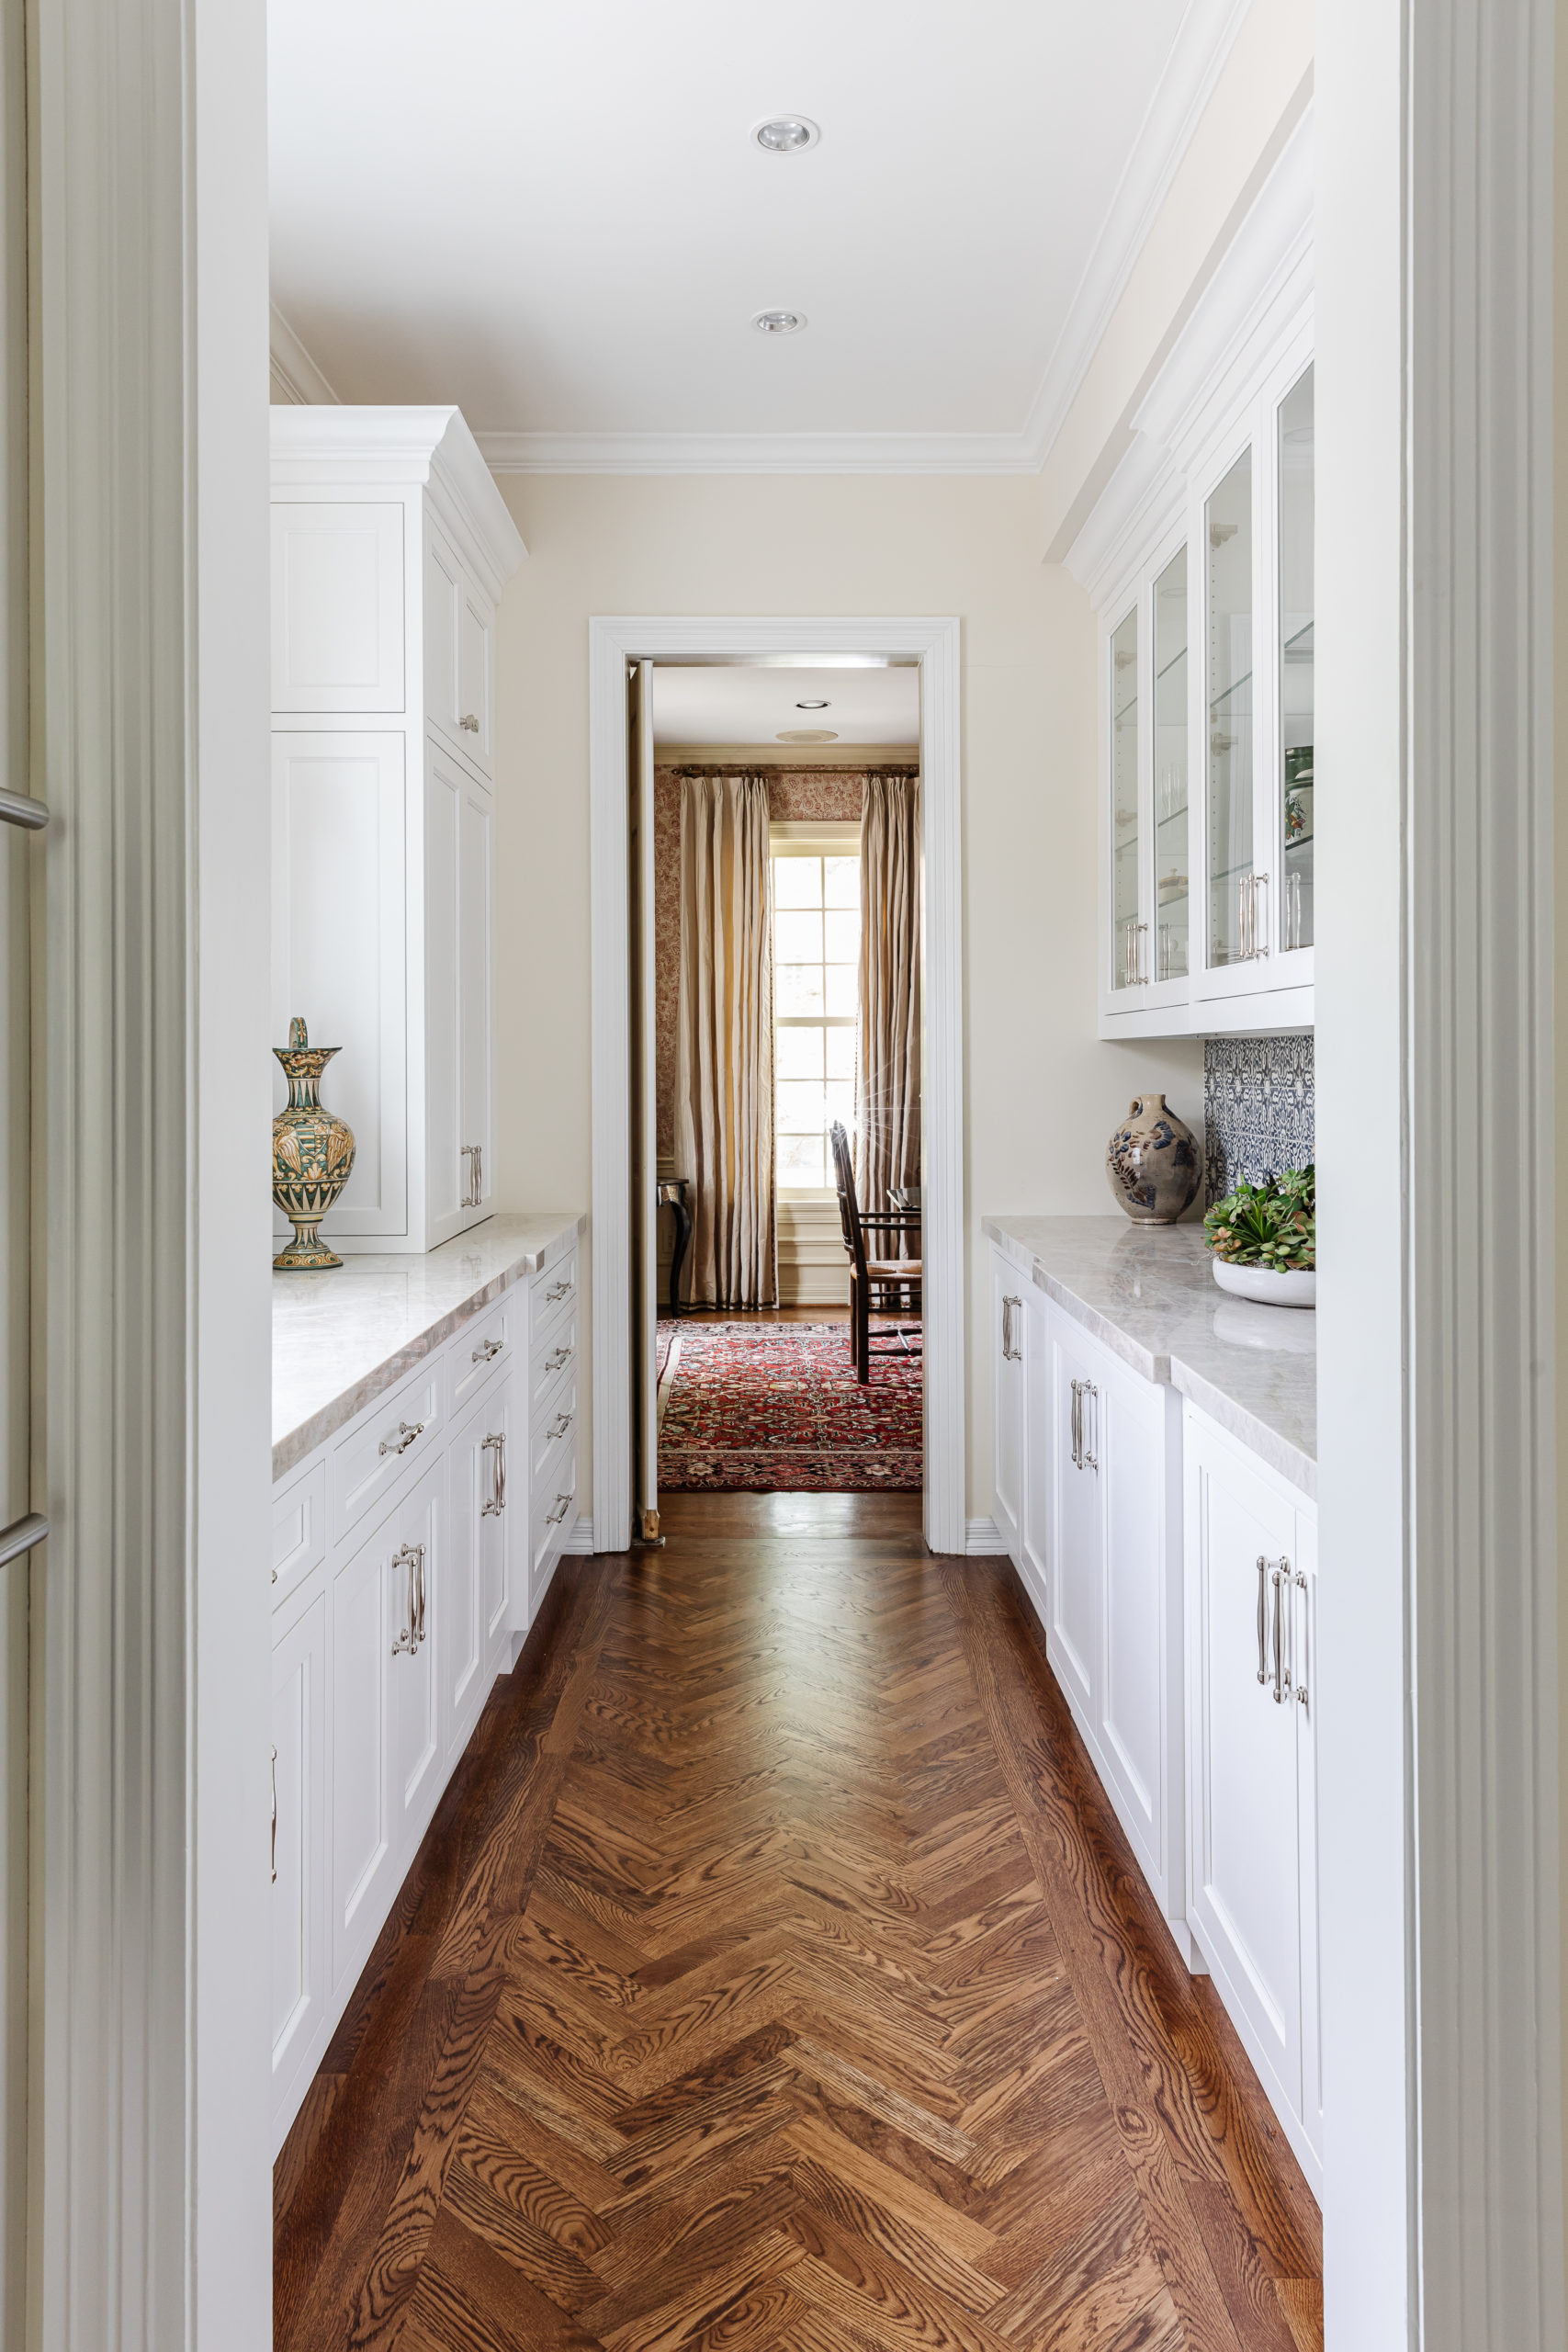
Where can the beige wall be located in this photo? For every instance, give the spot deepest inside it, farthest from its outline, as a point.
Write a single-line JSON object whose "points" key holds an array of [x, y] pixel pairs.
{"points": [[1042, 1093], [1254, 105], [1560, 715]]}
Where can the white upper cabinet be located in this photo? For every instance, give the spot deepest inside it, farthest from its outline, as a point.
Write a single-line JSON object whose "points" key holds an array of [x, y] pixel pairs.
{"points": [[1200, 558], [392, 545]]}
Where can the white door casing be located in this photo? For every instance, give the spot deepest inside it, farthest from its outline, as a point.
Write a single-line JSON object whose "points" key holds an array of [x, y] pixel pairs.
{"points": [[934, 644]]}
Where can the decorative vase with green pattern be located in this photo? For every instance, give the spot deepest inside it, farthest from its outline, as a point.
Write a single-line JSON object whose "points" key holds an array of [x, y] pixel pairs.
{"points": [[312, 1153]]}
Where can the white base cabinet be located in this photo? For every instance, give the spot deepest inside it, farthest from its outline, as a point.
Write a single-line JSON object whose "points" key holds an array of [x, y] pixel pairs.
{"points": [[411, 1553], [1174, 1574], [1251, 1588]]}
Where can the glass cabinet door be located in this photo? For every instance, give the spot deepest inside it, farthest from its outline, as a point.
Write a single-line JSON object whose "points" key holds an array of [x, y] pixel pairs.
{"points": [[1171, 726], [1295, 828], [1127, 966], [1232, 897]]}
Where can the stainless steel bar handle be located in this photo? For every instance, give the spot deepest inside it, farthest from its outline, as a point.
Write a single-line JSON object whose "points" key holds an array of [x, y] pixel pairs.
{"points": [[407, 1432], [492, 1446], [275, 1816], [558, 1290], [478, 1175], [1259, 945], [1262, 1618], [1007, 1329], [1076, 1427], [419, 1574], [553, 1518], [501, 1465], [1301, 1681], [16, 808], [1142, 935], [1241, 949], [486, 1349], [561, 1355], [1092, 1460], [559, 1425], [1278, 1580], [30, 1528]]}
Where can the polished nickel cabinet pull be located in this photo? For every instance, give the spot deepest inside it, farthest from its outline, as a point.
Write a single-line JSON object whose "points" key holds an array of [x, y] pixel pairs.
{"points": [[1133, 936], [473, 1197], [1011, 1352], [1281, 1580], [561, 1355], [468, 723], [1262, 1619], [559, 1425], [558, 1290], [1296, 1663], [407, 1432], [553, 1518], [495, 1446], [275, 1816], [408, 1638], [486, 1349], [418, 1585], [1088, 1461], [1075, 1425]]}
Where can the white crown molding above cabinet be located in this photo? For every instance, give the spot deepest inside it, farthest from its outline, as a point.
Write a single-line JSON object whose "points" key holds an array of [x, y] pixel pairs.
{"points": [[1206, 38], [296, 378], [314, 448], [1258, 299]]}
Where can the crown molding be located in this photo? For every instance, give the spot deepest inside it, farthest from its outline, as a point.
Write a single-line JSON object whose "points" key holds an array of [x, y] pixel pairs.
{"points": [[1260, 296], [1204, 42], [296, 378], [317, 448], [758, 453]]}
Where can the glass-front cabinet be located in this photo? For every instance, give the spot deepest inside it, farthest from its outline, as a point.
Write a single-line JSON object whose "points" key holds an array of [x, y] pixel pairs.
{"points": [[1207, 860]]}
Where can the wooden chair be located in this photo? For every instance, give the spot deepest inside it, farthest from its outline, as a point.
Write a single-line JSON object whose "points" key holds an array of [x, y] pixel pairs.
{"points": [[873, 1280]]}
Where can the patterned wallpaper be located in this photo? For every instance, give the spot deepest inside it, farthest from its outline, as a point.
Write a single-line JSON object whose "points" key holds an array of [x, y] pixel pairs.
{"points": [[1258, 1099], [824, 796]]}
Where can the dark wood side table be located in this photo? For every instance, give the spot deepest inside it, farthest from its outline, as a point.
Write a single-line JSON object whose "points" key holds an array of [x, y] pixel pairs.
{"points": [[672, 1193]]}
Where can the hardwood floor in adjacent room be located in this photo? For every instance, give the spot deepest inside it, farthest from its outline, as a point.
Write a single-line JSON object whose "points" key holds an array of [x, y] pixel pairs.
{"points": [[774, 1978]]}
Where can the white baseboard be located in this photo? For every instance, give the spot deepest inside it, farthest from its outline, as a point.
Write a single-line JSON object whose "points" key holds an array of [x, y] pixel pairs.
{"points": [[579, 1536], [982, 1539]]}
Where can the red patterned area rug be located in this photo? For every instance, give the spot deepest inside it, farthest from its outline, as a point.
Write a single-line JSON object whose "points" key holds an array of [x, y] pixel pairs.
{"points": [[761, 1408]]}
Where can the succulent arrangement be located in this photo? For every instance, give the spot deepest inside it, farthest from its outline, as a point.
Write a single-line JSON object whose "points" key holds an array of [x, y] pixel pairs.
{"points": [[1272, 1224]]}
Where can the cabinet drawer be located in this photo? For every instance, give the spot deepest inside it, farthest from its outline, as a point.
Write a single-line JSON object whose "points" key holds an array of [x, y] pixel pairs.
{"points": [[553, 1295], [404, 1428], [552, 1355], [556, 1420], [299, 1529], [479, 1347], [554, 1509]]}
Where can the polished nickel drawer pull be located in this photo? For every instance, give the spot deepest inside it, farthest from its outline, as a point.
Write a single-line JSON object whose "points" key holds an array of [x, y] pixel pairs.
{"points": [[409, 1638], [1262, 1618], [1088, 1461], [486, 1349], [561, 1355], [553, 1518], [558, 1290], [495, 1445], [559, 1425], [468, 723], [407, 1432], [275, 1816]]}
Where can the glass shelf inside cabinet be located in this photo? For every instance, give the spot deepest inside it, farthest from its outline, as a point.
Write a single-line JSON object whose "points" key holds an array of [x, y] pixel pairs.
{"points": [[1126, 968], [1172, 890], [1228, 524], [1296, 662]]}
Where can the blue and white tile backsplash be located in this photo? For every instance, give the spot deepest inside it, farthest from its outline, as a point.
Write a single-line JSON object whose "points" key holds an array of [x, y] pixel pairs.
{"points": [[1258, 1102]]}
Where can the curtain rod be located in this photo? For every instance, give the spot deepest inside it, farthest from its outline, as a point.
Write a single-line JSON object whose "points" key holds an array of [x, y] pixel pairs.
{"points": [[740, 767]]}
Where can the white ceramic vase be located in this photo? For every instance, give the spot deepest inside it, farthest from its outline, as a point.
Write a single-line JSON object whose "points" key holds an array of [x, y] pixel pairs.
{"points": [[1266, 1283]]}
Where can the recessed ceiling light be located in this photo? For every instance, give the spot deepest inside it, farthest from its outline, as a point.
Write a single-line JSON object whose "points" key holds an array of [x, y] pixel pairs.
{"points": [[785, 135], [811, 705], [806, 735], [779, 322]]}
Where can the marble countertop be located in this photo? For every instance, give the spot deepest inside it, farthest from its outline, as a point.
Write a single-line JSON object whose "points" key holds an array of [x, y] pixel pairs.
{"points": [[1147, 1293], [341, 1336]]}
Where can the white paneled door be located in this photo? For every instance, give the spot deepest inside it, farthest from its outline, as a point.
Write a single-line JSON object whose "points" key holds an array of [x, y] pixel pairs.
{"points": [[298, 1763]]}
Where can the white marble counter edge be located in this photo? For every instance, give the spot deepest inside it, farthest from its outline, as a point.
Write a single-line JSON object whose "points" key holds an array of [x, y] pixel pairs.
{"points": [[1170, 1371], [292, 1448]]}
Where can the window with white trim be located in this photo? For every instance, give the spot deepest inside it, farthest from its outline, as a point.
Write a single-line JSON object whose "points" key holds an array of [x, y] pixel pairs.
{"points": [[815, 996]]}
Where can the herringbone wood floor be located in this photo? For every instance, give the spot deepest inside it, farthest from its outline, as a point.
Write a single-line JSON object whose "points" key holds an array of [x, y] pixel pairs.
{"points": [[775, 1979]]}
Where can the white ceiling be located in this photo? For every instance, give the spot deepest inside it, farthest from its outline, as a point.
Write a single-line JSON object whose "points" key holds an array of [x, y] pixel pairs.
{"points": [[556, 217], [744, 706]]}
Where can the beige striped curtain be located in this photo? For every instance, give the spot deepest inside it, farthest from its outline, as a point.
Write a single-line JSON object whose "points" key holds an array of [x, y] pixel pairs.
{"points": [[724, 1053], [888, 1104]]}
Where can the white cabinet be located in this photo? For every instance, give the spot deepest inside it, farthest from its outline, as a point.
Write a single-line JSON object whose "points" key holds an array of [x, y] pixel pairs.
{"points": [[300, 1949], [1113, 1627], [411, 1553], [1251, 1675], [391, 545], [1009, 1290]]}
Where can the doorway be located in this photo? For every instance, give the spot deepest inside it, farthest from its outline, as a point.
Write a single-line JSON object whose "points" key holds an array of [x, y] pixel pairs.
{"points": [[777, 988], [626, 1234]]}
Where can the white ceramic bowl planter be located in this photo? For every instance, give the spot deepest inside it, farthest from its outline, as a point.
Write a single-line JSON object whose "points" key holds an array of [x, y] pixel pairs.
{"points": [[1267, 1284]]}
